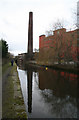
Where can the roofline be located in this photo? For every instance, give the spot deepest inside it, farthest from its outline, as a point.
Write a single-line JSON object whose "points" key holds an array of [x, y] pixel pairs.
{"points": [[59, 29], [41, 35]]}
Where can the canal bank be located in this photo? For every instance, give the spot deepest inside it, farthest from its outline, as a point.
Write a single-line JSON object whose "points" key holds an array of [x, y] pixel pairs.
{"points": [[65, 67], [12, 99]]}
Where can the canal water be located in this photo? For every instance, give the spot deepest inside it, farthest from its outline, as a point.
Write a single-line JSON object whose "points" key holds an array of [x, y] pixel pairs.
{"points": [[48, 93]]}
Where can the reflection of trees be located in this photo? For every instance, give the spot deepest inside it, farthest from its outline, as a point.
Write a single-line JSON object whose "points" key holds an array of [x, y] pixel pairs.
{"points": [[59, 92], [61, 85], [61, 107]]}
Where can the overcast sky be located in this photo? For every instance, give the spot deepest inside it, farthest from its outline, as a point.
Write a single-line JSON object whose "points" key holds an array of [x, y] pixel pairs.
{"points": [[14, 16]]}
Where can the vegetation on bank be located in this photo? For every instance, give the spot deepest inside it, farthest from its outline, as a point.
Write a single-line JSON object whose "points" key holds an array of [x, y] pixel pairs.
{"points": [[5, 56], [4, 47], [47, 57]]}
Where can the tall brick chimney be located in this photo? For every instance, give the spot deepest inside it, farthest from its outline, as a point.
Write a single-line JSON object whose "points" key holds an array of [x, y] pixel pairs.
{"points": [[30, 33]]}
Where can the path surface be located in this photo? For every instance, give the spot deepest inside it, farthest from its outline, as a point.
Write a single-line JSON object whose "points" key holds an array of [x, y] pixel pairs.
{"points": [[12, 99], [5, 77]]}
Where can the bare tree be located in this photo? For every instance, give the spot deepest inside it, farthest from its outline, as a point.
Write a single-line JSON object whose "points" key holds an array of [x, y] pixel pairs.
{"points": [[63, 44], [61, 49], [57, 25], [53, 54], [58, 41], [67, 51], [49, 33]]}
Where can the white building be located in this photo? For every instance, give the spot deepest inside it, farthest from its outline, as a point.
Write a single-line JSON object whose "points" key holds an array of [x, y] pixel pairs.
{"points": [[78, 14]]}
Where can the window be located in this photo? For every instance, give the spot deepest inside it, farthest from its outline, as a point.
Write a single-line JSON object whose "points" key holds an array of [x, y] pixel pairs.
{"points": [[58, 32]]}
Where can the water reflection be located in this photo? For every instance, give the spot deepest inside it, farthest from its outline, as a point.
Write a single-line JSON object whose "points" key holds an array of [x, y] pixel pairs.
{"points": [[51, 93], [61, 85], [29, 83]]}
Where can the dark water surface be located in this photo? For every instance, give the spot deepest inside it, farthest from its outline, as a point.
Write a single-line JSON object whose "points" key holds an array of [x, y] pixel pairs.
{"points": [[49, 93]]}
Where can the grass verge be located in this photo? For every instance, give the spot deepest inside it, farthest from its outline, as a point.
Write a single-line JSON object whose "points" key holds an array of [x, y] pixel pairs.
{"points": [[5, 66]]}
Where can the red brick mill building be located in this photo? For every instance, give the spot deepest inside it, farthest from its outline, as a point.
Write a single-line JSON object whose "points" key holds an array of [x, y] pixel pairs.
{"points": [[65, 42]]}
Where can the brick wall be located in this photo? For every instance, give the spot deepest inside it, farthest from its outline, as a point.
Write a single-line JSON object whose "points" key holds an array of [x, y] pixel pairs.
{"points": [[69, 38]]}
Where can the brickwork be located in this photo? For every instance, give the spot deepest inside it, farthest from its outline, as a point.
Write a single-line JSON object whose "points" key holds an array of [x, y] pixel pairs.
{"points": [[66, 39], [30, 33]]}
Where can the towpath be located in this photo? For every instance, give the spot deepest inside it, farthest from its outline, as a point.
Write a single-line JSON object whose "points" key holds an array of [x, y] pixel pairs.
{"points": [[12, 99]]}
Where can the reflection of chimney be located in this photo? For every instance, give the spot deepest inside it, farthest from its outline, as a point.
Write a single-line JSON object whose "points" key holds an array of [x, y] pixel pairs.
{"points": [[30, 33], [29, 78]]}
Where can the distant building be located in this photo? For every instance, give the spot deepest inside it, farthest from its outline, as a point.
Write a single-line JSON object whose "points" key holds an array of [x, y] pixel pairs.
{"points": [[21, 57]]}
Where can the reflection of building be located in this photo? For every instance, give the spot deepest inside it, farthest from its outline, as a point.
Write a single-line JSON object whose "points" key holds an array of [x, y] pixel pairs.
{"points": [[62, 83], [21, 58], [63, 38]]}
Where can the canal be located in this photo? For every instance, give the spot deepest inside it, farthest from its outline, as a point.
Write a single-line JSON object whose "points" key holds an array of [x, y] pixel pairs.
{"points": [[48, 93]]}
